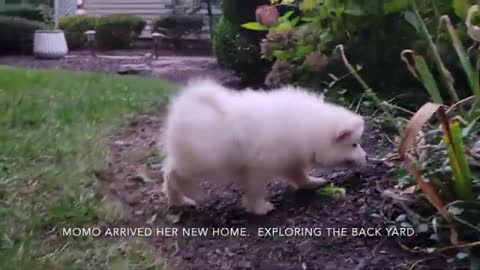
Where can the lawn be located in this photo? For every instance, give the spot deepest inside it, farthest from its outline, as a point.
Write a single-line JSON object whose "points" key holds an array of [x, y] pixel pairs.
{"points": [[53, 131]]}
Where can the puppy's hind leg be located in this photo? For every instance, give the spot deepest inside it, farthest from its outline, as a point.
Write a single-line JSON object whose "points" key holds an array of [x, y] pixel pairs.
{"points": [[172, 188], [303, 181], [253, 200]]}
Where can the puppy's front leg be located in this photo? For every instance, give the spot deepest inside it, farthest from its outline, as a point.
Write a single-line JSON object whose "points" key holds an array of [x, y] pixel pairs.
{"points": [[174, 187], [304, 181], [254, 194]]}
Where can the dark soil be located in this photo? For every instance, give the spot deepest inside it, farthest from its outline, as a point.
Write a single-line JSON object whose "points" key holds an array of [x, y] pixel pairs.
{"points": [[135, 179]]}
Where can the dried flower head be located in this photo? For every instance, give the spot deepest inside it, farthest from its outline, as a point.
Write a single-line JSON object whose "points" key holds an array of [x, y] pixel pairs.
{"points": [[315, 61], [285, 38], [311, 37], [281, 73], [266, 15]]}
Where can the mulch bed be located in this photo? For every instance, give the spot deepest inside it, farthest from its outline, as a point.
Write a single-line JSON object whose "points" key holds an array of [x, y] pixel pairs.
{"points": [[133, 152]]}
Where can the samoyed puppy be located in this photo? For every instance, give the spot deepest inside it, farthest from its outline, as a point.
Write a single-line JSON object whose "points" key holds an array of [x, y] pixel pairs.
{"points": [[212, 133]]}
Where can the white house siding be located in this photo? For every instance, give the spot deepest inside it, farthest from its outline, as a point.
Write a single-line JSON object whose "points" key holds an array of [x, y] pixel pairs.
{"points": [[148, 10]]}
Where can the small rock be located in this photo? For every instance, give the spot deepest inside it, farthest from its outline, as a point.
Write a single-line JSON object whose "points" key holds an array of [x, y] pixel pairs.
{"points": [[121, 143], [134, 69], [139, 212]]}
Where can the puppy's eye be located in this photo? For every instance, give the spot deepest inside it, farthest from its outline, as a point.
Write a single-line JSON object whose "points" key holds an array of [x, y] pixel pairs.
{"points": [[355, 145]]}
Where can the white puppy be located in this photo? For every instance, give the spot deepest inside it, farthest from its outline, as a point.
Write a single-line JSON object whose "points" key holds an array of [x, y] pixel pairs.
{"points": [[217, 134]]}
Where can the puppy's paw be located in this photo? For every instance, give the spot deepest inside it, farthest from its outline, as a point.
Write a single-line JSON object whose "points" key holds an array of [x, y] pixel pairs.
{"points": [[314, 183], [260, 207]]}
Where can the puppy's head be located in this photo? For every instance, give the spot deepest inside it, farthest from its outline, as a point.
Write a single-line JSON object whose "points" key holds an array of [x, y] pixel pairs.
{"points": [[344, 149]]}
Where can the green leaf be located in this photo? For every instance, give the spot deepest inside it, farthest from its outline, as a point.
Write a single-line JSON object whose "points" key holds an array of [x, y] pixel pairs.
{"points": [[460, 7], [307, 5], [455, 210], [401, 218], [462, 255], [355, 12], [470, 72], [254, 26], [422, 228], [462, 175], [411, 19], [392, 6], [285, 16], [332, 191], [427, 79], [304, 50], [283, 26], [469, 127], [307, 19], [173, 218], [295, 21], [283, 55], [406, 225]]}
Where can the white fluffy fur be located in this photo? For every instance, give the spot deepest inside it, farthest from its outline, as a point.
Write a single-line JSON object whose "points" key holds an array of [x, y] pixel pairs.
{"points": [[217, 134]]}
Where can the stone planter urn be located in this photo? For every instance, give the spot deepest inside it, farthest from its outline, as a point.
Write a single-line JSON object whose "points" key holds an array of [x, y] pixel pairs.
{"points": [[49, 44]]}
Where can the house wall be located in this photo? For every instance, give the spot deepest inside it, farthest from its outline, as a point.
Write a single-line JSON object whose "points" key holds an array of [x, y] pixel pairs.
{"points": [[150, 9], [147, 9]]}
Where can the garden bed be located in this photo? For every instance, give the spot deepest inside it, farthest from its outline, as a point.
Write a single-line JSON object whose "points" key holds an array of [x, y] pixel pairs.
{"points": [[134, 178]]}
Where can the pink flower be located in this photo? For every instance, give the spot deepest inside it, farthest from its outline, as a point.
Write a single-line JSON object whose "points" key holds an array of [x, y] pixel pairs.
{"points": [[266, 15]]}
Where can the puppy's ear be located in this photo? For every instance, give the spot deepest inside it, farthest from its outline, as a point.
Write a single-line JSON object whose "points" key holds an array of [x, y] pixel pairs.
{"points": [[347, 133], [344, 135]]}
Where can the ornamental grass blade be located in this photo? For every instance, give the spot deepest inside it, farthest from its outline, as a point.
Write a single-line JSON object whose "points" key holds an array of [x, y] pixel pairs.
{"points": [[414, 126]]}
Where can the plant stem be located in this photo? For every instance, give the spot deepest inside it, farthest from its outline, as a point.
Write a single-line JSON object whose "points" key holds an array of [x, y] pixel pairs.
{"points": [[436, 55], [368, 89]]}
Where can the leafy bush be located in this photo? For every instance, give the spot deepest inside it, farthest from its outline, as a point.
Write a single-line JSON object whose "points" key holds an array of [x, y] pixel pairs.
{"points": [[177, 26], [29, 13], [236, 48], [373, 32], [75, 27], [16, 34], [238, 53], [117, 31]]}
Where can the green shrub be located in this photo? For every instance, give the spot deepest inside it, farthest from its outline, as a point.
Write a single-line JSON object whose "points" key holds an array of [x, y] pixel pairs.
{"points": [[178, 26], [16, 34], [236, 48], [117, 31], [75, 27], [29, 13]]}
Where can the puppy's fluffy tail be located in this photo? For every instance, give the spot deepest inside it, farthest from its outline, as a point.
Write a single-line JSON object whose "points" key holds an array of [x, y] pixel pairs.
{"points": [[200, 101], [206, 93]]}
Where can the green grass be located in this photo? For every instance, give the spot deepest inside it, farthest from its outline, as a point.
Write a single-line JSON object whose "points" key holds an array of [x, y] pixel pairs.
{"points": [[53, 131]]}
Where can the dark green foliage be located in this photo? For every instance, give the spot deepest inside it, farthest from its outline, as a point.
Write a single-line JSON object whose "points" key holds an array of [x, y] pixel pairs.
{"points": [[117, 31], [236, 48], [75, 27], [29, 13], [16, 34], [236, 52], [177, 26]]}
